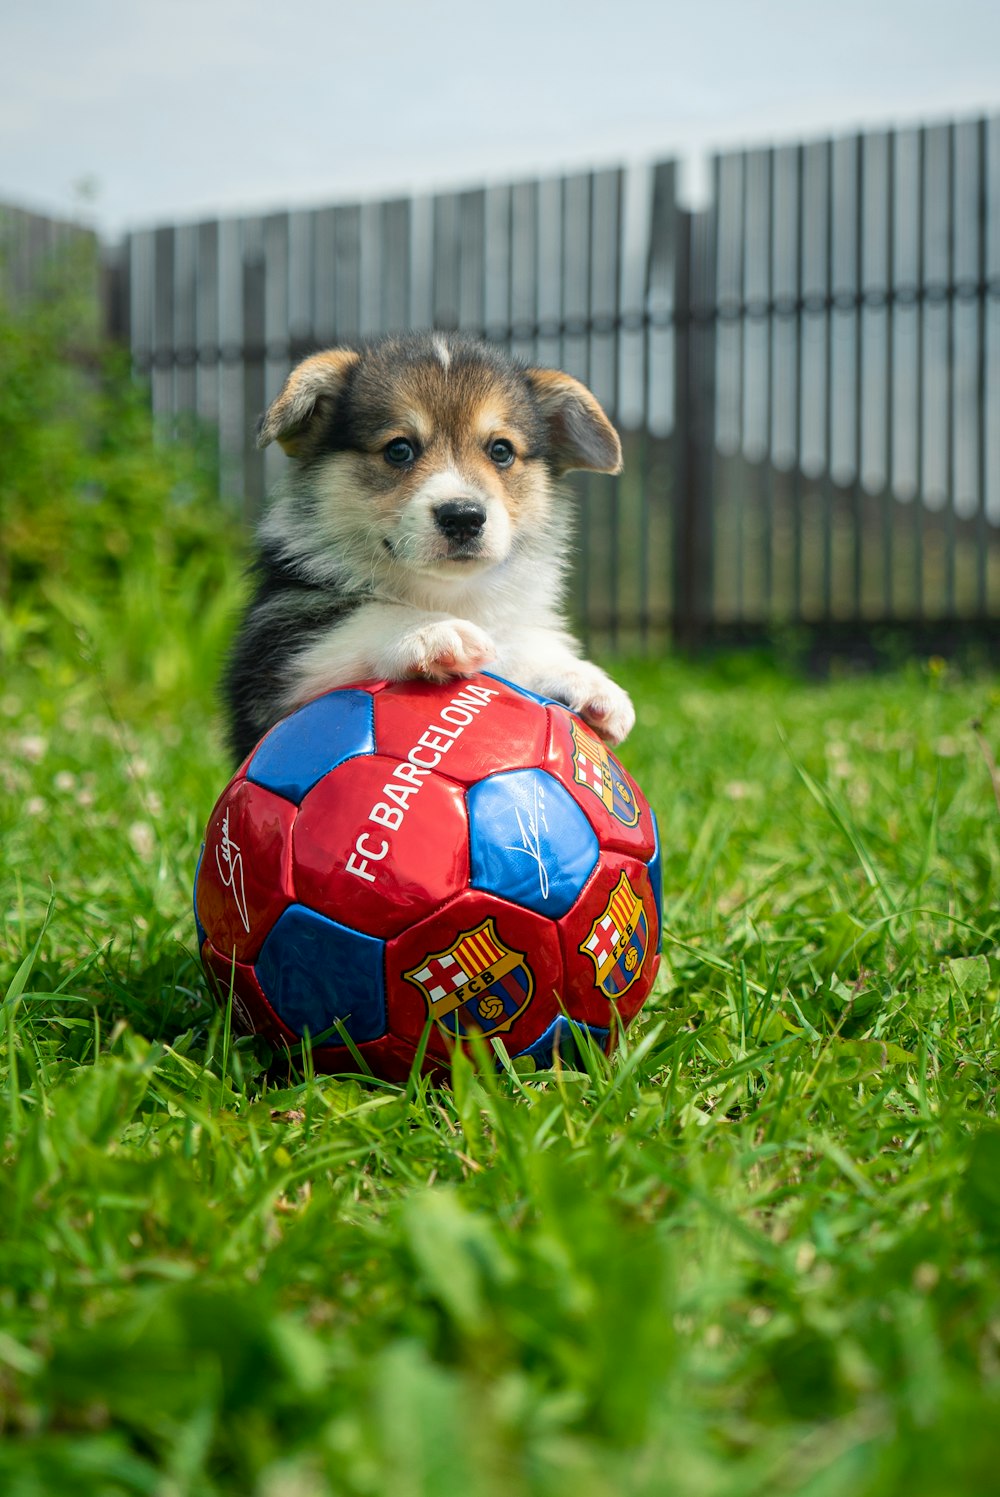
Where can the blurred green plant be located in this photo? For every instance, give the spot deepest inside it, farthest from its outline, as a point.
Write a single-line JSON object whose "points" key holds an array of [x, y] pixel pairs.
{"points": [[113, 541]]}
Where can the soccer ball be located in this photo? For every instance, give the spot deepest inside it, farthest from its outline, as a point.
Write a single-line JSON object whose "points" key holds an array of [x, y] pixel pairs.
{"points": [[397, 866]]}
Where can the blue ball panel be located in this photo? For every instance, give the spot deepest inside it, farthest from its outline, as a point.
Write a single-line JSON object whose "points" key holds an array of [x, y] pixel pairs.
{"points": [[202, 933], [313, 971], [304, 747], [560, 1037], [655, 869], [530, 841]]}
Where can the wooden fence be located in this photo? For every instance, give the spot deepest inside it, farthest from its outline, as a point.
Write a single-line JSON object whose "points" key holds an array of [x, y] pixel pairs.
{"points": [[806, 373]]}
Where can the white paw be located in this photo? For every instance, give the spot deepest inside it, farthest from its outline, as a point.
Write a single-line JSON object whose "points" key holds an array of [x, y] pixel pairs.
{"points": [[452, 647], [592, 695]]}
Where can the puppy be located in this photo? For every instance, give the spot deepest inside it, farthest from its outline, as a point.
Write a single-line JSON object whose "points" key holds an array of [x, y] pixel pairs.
{"points": [[419, 531]]}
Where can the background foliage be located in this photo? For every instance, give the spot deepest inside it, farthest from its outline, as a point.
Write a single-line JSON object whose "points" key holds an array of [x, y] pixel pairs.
{"points": [[755, 1253]]}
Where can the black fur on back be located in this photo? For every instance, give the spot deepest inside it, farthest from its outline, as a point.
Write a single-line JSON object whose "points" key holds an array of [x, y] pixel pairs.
{"points": [[286, 612]]}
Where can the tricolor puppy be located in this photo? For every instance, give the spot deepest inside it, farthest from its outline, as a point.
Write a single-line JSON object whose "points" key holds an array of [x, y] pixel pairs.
{"points": [[419, 531]]}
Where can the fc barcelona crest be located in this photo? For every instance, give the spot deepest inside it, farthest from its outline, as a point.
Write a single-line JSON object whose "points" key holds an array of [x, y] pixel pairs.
{"points": [[618, 940], [594, 767], [477, 983]]}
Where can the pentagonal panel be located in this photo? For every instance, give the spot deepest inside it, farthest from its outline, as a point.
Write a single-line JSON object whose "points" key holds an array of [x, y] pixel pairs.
{"points": [[480, 964], [656, 878], [244, 879], [530, 841], [559, 1042], [377, 849], [314, 971], [610, 942], [252, 1014], [612, 802], [463, 729], [302, 748], [199, 928]]}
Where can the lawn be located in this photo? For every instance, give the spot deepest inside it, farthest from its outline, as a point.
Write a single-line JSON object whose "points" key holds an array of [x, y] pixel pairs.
{"points": [[757, 1252]]}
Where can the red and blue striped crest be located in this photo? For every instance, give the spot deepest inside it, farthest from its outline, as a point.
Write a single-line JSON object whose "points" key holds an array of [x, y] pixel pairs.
{"points": [[618, 940], [477, 983], [594, 767]]}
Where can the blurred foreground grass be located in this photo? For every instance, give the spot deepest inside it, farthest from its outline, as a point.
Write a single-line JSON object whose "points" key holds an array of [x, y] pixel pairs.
{"points": [[758, 1252]]}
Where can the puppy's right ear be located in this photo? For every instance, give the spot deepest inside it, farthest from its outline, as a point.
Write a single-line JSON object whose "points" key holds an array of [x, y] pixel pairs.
{"points": [[309, 393]]}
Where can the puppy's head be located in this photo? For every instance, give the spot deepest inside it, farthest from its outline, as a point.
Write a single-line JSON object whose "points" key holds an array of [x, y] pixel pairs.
{"points": [[433, 452]]}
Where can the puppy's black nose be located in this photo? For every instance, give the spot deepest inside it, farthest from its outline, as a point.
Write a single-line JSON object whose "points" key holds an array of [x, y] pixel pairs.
{"points": [[460, 519]]}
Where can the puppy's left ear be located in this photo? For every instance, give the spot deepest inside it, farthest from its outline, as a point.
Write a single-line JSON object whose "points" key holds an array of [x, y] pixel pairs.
{"points": [[580, 434], [310, 392]]}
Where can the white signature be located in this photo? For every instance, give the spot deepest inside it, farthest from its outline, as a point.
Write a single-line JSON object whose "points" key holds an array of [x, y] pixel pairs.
{"points": [[232, 874], [531, 843]]}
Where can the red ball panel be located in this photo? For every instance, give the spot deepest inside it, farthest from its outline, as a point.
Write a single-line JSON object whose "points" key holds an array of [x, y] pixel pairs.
{"points": [[388, 1057], [614, 805], [245, 879], [376, 848], [252, 1014], [463, 729], [611, 943], [478, 964]]}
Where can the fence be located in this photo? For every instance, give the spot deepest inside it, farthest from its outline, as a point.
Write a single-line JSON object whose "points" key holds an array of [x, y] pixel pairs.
{"points": [[806, 373]]}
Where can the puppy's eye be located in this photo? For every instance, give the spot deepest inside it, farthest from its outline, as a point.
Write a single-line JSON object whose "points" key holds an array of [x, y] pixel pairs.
{"points": [[501, 452], [400, 452]]}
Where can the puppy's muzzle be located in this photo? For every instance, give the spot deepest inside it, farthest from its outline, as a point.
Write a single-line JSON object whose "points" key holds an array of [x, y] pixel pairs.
{"points": [[461, 522]]}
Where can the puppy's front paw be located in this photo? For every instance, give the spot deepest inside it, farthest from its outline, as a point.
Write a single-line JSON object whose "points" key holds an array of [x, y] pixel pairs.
{"points": [[592, 695], [451, 647]]}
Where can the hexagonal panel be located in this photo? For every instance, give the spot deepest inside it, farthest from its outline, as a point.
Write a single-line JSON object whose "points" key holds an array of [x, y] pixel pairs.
{"points": [[376, 848], [314, 971], [244, 878], [610, 943], [480, 963], [387, 1057], [303, 747], [463, 729], [530, 842], [612, 802]]}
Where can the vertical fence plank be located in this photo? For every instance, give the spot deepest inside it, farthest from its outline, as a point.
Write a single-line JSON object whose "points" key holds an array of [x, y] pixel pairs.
{"points": [[254, 295], [888, 404], [185, 324], [982, 419], [445, 304], [919, 392], [695, 430], [347, 273], [276, 343], [395, 266], [523, 270], [206, 325], [324, 277], [659, 401]]}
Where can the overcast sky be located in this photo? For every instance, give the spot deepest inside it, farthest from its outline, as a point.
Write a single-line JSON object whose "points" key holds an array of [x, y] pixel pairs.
{"points": [[177, 109]]}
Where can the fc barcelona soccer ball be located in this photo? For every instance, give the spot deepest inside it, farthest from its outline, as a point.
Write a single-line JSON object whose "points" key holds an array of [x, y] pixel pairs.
{"points": [[398, 866]]}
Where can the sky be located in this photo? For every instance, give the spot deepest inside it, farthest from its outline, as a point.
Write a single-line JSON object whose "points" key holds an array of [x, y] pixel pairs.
{"points": [[127, 113]]}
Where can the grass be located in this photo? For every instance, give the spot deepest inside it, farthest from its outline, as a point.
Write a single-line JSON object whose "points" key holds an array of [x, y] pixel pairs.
{"points": [[755, 1253]]}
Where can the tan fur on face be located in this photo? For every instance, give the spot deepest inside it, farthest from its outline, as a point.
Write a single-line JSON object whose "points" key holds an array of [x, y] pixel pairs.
{"points": [[452, 424]]}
